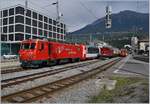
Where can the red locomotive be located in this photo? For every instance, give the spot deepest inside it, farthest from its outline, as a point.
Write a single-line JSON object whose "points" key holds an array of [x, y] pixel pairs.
{"points": [[37, 52]]}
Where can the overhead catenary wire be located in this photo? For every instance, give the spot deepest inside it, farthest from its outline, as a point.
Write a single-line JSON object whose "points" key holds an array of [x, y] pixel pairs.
{"points": [[89, 10]]}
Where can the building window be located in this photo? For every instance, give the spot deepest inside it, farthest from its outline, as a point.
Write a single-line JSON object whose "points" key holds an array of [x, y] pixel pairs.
{"points": [[11, 20], [45, 26], [45, 19], [19, 28], [11, 11], [34, 23], [11, 28], [58, 30], [50, 21], [61, 25], [19, 10], [28, 21], [5, 13], [34, 30], [11, 37], [5, 21], [27, 36], [19, 19], [3, 37], [28, 29], [50, 34], [54, 22], [54, 35], [34, 15], [40, 24], [40, 32], [50, 27], [28, 13], [45, 33], [5, 29], [19, 37], [61, 30], [61, 36], [54, 29], [40, 17]]}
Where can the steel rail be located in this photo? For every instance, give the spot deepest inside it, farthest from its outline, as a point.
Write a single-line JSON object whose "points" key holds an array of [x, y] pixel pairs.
{"points": [[17, 80], [41, 91]]}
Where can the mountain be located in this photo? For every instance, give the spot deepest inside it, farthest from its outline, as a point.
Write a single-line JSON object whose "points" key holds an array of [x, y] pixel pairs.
{"points": [[123, 21]]}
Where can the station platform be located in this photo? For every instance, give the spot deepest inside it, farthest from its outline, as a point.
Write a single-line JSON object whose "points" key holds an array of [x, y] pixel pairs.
{"points": [[9, 64], [129, 66]]}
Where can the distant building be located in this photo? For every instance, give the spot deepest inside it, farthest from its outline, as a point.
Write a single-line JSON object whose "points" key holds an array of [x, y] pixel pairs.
{"points": [[143, 45], [17, 25]]}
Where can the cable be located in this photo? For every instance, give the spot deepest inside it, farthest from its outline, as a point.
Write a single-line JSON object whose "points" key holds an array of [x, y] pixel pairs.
{"points": [[40, 7], [92, 14]]}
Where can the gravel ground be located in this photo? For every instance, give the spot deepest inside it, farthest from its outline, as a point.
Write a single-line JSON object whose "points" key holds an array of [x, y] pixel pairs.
{"points": [[44, 80], [78, 93]]}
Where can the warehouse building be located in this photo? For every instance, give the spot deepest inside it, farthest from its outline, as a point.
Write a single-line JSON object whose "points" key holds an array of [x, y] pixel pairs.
{"points": [[18, 24]]}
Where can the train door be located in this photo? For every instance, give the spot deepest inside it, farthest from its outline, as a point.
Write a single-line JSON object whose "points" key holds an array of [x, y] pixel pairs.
{"points": [[49, 49]]}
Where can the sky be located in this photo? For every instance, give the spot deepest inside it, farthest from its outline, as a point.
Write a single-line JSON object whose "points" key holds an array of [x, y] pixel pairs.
{"points": [[79, 13]]}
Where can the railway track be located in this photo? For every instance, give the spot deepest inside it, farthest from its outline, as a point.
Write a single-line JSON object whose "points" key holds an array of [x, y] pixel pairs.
{"points": [[41, 91], [12, 70], [17, 80], [15, 69]]}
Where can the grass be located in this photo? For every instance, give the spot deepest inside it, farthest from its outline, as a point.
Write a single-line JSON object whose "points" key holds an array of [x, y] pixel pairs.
{"points": [[106, 96]]}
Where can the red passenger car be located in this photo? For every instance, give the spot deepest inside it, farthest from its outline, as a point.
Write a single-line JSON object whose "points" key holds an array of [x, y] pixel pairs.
{"points": [[35, 52], [123, 53], [106, 52]]}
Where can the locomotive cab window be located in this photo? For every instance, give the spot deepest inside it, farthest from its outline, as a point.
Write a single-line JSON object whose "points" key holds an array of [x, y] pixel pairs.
{"points": [[28, 46]]}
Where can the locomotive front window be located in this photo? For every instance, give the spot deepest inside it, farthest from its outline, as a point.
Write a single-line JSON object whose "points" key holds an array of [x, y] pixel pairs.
{"points": [[28, 46], [25, 46]]}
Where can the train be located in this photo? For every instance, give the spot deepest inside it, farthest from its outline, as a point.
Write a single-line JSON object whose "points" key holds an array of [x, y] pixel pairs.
{"points": [[123, 52], [41, 52]]}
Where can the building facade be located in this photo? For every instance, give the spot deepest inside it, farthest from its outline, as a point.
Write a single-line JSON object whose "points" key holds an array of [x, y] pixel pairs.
{"points": [[18, 23]]}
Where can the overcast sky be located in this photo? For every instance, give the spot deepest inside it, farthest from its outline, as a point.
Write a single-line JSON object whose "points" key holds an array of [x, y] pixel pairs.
{"points": [[78, 13]]}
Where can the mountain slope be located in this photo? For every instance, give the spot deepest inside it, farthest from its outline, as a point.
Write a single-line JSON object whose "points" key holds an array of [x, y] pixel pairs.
{"points": [[122, 21]]}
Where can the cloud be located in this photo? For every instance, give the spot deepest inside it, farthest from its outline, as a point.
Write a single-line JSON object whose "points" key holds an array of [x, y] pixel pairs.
{"points": [[78, 13]]}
